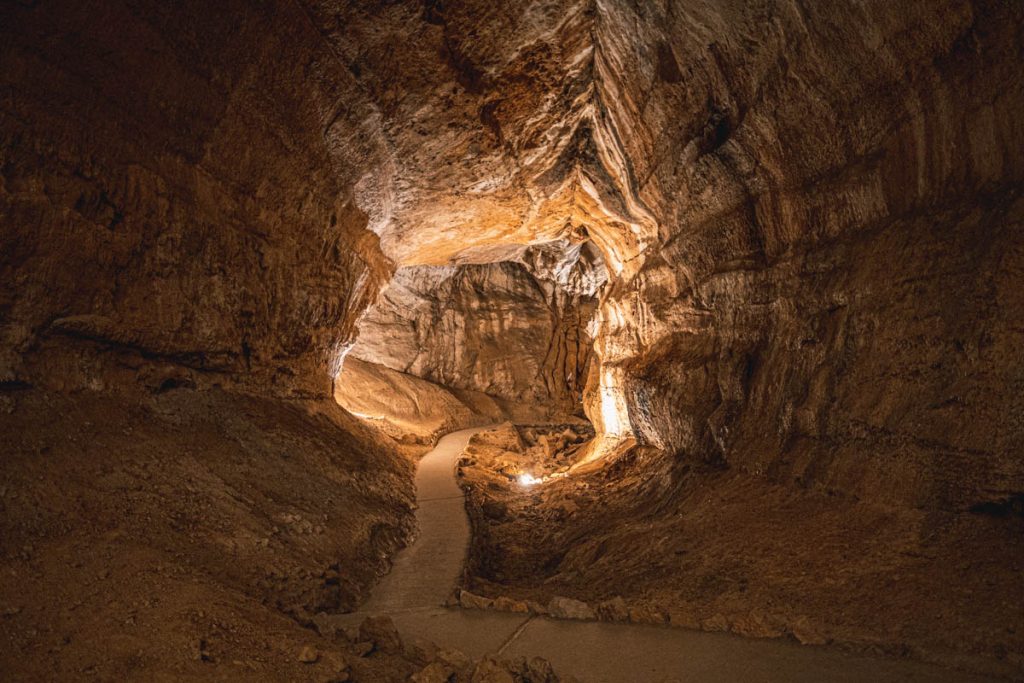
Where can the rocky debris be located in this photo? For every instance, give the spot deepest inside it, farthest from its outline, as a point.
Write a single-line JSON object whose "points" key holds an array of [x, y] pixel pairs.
{"points": [[337, 666], [683, 616], [421, 651], [381, 631], [435, 672], [454, 659], [469, 600], [646, 614], [363, 648], [536, 670], [538, 449], [715, 622], [491, 670], [756, 624], [568, 608], [808, 633], [505, 436], [613, 610], [536, 608], [506, 604], [539, 670], [495, 510], [309, 655]]}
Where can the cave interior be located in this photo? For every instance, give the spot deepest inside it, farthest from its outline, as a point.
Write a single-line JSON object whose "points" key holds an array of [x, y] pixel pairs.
{"points": [[730, 291]]}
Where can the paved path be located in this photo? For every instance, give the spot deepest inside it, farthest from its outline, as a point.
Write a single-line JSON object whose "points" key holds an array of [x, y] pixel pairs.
{"points": [[424, 574]]}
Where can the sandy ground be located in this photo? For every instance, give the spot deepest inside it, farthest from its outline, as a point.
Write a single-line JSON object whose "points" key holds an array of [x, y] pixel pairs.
{"points": [[185, 534]]}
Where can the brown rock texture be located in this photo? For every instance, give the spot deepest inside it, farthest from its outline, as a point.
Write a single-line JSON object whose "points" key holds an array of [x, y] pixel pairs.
{"points": [[170, 196], [832, 298], [185, 534], [800, 298], [809, 219], [700, 547], [515, 330]]}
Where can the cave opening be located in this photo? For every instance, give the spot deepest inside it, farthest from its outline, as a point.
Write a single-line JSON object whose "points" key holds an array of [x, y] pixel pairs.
{"points": [[499, 335]]}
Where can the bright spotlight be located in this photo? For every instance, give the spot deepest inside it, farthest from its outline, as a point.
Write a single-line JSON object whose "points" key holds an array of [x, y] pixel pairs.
{"points": [[528, 480]]}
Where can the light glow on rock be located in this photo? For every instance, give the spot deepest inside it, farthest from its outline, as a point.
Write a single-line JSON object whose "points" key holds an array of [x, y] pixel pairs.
{"points": [[614, 415], [528, 480]]}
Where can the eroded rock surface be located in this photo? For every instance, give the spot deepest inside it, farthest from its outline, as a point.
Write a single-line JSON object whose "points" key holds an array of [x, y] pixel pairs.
{"points": [[809, 214], [515, 330]]}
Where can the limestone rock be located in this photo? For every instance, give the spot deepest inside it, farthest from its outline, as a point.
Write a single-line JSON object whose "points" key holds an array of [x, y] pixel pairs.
{"points": [[613, 610], [491, 670], [435, 672], [643, 614], [422, 651], [805, 631], [498, 328], [362, 648], [454, 659], [505, 436], [539, 670], [568, 608], [506, 604], [469, 600], [381, 631]]}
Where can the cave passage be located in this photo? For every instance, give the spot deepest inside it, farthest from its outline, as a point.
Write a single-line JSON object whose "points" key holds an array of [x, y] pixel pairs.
{"points": [[445, 347], [729, 294]]}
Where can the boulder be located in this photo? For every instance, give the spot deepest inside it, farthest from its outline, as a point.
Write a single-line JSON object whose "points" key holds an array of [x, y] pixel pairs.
{"points": [[469, 600], [613, 610], [568, 608], [506, 604], [382, 633], [421, 651], [491, 670], [435, 672]]}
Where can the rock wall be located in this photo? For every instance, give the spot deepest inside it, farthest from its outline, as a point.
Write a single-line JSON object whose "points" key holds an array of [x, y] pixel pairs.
{"points": [[515, 330], [177, 198], [833, 294], [810, 215]]}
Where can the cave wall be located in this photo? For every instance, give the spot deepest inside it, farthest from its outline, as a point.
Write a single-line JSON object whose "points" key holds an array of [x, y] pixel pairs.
{"points": [[810, 215], [515, 330], [177, 198], [833, 298]]}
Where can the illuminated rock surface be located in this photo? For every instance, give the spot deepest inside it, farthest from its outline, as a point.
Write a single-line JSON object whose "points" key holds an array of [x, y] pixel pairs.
{"points": [[805, 314]]}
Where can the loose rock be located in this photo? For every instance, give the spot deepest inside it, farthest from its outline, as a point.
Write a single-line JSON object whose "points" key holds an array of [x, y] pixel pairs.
{"points": [[382, 633], [568, 608]]}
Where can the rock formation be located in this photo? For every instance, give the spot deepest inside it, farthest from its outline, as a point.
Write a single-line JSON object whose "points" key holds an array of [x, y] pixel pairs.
{"points": [[515, 330], [805, 220]]}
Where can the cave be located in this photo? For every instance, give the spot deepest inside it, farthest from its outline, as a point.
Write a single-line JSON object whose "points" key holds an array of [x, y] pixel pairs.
{"points": [[423, 340]]}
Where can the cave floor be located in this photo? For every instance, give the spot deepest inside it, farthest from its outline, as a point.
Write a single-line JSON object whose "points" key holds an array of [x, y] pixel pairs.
{"points": [[425, 573]]}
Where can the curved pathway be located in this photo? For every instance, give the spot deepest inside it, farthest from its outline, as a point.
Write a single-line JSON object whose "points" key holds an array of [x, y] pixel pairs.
{"points": [[425, 573]]}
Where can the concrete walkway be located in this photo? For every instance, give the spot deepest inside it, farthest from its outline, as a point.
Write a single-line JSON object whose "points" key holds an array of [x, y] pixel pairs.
{"points": [[424, 574]]}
